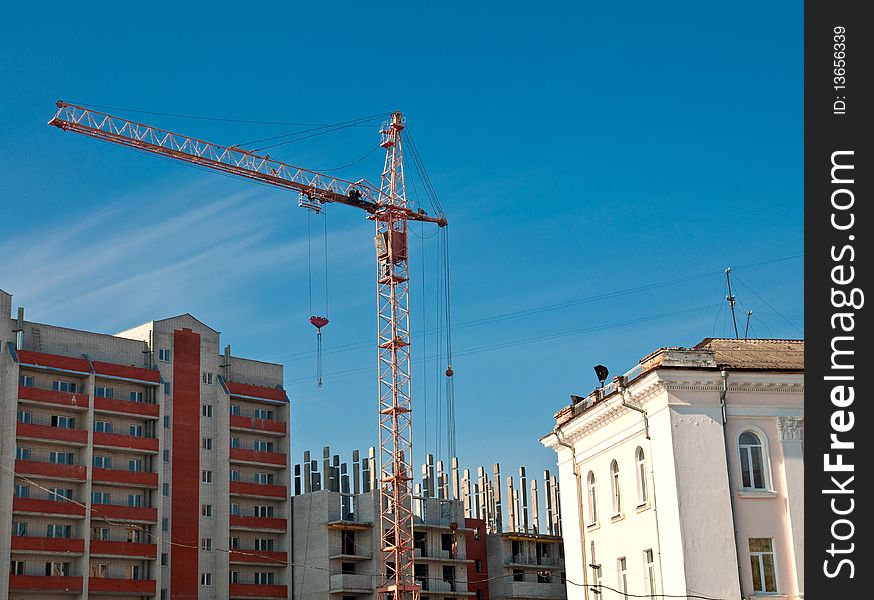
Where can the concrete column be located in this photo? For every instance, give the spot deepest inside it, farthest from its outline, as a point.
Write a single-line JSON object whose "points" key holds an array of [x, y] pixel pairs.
{"points": [[547, 500], [365, 475], [556, 503], [326, 468], [440, 480], [535, 521], [456, 491], [430, 476], [496, 468], [523, 491], [465, 493], [297, 488], [511, 505], [791, 437], [356, 473], [307, 475], [374, 468]]}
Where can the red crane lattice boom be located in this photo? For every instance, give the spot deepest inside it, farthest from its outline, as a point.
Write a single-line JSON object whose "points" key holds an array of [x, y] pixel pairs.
{"points": [[387, 206]]}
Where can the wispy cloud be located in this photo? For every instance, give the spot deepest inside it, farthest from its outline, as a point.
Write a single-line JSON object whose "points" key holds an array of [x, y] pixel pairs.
{"points": [[149, 255]]}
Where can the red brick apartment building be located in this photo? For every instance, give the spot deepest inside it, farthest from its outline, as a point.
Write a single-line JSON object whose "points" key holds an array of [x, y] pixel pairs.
{"points": [[145, 464]]}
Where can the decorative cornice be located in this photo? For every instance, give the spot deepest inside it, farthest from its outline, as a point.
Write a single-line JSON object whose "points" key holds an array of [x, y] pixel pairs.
{"points": [[791, 428], [752, 386]]}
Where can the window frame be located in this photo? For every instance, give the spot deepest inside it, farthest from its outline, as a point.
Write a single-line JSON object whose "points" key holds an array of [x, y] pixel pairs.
{"points": [[767, 481], [760, 556], [616, 488]]}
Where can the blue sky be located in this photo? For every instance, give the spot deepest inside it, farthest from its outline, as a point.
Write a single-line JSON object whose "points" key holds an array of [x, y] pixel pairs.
{"points": [[578, 150]]}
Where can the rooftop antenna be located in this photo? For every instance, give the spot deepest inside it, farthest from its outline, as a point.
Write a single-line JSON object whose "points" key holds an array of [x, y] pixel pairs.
{"points": [[747, 330], [731, 300]]}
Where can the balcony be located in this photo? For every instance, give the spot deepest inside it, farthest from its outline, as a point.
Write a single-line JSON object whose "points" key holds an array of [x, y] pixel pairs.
{"points": [[257, 457], [532, 589], [258, 557], [129, 442], [258, 490], [33, 431], [532, 561], [48, 470], [128, 478], [257, 393], [56, 362], [266, 426], [125, 372], [258, 523], [126, 407], [41, 396], [128, 587], [48, 545], [44, 583], [254, 590], [40, 506], [133, 549], [141, 514], [351, 583]]}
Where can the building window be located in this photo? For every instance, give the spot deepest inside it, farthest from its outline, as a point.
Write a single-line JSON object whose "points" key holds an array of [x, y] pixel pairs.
{"points": [[233, 542], [762, 563], [135, 430], [102, 392], [593, 499], [207, 378], [264, 478], [264, 511], [165, 455], [166, 388], [57, 569], [61, 458], [642, 491], [262, 446], [60, 494], [19, 528], [754, 474], [616, 488], [25, 416], [264, 578], [100, 533], [165, 489], [102, 427], [99, 569], [17, 567], [22, 490], [206, 410], [63, 422], [206, 510], [134, 500], [22, 453], [205, 476], [163, 559], [164, 354], [263, 413], [518, 575], [206, 579], [478, 565], [102, 462], [135, 464], [206, 443], [165, 524], [25, 381], [234, 577], [166, 421], [622, 568], [64, 386], [649, 563], [100, 498], [206, 544], [264, 544], [59, 531], [235, 410], [136, 396], [235, 442], [235, 510]]}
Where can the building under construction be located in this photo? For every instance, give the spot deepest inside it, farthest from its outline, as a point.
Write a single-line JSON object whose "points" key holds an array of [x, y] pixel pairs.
{"points": [[468, 540]]}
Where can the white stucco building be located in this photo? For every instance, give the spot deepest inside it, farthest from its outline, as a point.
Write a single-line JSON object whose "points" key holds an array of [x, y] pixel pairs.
{"points": [[685, 475]]}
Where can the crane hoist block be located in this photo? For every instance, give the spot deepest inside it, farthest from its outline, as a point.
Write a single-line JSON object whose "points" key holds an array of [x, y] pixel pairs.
{"points": [[391, 246]]}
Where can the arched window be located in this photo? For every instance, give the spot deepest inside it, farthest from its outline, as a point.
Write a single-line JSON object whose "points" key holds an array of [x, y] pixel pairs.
{"points": [[753, 463], [614, 480], [593, 502], [642, 491]]}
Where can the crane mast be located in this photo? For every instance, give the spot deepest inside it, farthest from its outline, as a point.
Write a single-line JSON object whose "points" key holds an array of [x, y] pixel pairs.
{"points": [[387, 206]]}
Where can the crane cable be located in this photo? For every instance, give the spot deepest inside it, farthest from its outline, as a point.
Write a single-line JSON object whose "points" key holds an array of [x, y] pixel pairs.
{"points": [[317, 321]]}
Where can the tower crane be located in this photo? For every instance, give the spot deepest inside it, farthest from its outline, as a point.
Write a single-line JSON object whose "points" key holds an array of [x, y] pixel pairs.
{"points": [[386, 205]]}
